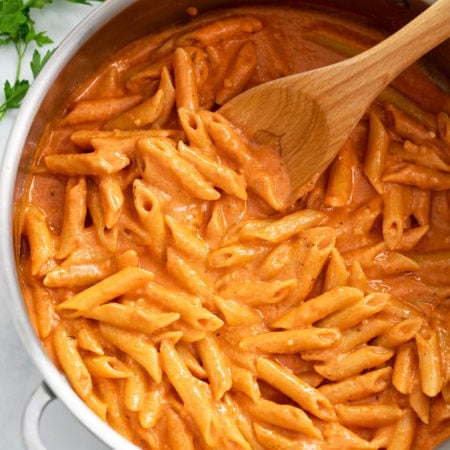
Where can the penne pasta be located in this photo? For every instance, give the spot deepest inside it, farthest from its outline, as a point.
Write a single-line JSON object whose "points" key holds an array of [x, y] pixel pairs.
{"points": [[194, 393], [363, 358], [430, 367], [291, 341], [130, 317], [377, 148], [358, 386], [319, 307], [70, 359], [306, 396], [137, 346], [185, 172], [283, 416], [192, 300], [373, 416], [216, 366], [128, 279]]}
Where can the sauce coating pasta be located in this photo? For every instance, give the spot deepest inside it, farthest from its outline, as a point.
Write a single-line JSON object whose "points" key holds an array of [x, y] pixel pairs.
{"points": [[190, 302]]}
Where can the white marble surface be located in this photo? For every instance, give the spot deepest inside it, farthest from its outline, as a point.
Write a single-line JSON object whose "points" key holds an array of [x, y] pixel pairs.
{"points": [[18, 376]]}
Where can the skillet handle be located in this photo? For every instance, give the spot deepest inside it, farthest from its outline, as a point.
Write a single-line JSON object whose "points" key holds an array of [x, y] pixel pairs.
{"points": [[34, 408]]}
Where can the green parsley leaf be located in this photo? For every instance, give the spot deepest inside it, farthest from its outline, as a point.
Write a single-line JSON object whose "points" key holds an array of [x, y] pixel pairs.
{"points": [[18, 28], [14, 95], [38, 62], [41, 39]]}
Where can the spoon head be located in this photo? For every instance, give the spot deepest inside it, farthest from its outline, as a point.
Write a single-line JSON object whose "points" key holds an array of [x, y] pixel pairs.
{"points": [[289, 120]]}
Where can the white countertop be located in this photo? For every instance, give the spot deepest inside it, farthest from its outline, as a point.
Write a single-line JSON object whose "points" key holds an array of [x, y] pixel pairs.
{"points": [[18, 376]]}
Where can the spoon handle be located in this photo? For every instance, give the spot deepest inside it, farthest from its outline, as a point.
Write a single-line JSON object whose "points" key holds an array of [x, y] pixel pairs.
{"points": [[375, 68]]}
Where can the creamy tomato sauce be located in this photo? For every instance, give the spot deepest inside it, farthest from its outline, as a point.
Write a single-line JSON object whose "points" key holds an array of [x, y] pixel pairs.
{"points": [[240, 252]]}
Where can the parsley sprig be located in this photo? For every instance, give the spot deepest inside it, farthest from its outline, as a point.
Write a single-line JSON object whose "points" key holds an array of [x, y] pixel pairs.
{"points": [[17, 28]]}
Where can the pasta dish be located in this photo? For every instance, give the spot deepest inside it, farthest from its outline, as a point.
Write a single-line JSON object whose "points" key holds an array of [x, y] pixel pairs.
{"points": [[191, 302]]}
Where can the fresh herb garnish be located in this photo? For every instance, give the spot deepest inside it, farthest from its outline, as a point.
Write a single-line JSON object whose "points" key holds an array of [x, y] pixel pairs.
{"points": [[18, 28]]}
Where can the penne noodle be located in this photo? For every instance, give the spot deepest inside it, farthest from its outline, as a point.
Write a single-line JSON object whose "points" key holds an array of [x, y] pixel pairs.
{"points": [[404, 431], [131, 318], [186, 173], [188, 276], [112, 199], [107, 237], [358, 386], [186, 240], [140, 116], [196, 132], [179, 435], [41, 240], [116, 407], [238, 76], [152, 409], [70, 359], [368, 416], [277, 260], [418, 176], [188, 307], [318, 307], [106, 367], [340, 179], [399, 333], [186, 86], [421, 155], [283, 416], [430, 366], [395, 214], [104, 160], [335, 433], [291, 341], [195, 394], [235, 313], [137, 346], [100, 110], [357, 277], [46, 317], [73, 221], [337, 273], [351, 339], [238, 254], [306, 396], [377, 148], [221, 30], [216, 173], [126, 280], [232, 436], [443, 124], [245, 381], [136, 386], [89, 338], [282, 229], [128, 138], [363, 358], [420, 403], [357, 312], [83, 275], [168, 101], [216, 366]]}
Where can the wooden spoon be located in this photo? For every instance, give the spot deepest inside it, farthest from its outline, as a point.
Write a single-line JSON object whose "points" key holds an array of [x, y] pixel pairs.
{"points": [[310, 115]]}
